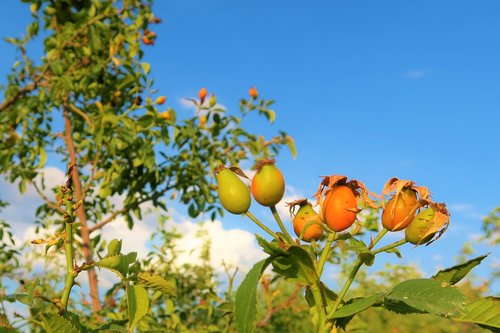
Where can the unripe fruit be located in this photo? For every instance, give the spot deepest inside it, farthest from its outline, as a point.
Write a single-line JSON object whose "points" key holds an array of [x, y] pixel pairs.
{"points": [[399, 212], [307, 218], [268, 185], [340, 208], [417, 229], [165, 115], [253, 92], [233, 193]]}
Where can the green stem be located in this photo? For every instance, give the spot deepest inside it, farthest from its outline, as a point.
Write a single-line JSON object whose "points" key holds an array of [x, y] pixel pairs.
{"points": [[378, 238], [346, 286], [68, 249], [277, 217], [390, 246], [325, 253], [260, 224], [320, 307]]}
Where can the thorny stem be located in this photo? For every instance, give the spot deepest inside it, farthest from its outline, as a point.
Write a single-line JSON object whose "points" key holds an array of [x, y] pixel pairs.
{"points": [[68, 247], [260, 224], [378, 238], [277, 217], [325, 253], [390, 246]]}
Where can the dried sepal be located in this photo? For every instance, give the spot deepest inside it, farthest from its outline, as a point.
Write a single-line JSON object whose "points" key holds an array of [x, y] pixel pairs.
{"points": [[263, 162], [398, 185], [234, 169], [294, 204], [359, 189], [440, 222]]}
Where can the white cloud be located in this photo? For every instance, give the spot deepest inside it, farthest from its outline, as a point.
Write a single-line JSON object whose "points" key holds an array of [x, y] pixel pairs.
{"points": [[235, 247], [415, 74]]}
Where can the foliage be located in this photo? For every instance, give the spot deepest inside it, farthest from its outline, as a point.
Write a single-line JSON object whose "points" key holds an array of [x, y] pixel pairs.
{"points": [[89, 101]]}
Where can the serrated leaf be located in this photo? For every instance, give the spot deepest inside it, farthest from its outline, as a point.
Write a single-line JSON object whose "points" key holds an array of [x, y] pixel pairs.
{"points": [[428, 296], [484, 312], [118, 264], [54, 323], [362, 250], [138, 304], [355, 306], [456, 273], [167, 287], [297, 266], [329, 296], [271, 248], [246, 298]]}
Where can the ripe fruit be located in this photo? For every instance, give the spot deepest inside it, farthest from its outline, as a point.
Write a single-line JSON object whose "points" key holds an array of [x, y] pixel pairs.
{"points": [[399, 212], [339, 208], [160, 100], [253, 92], [233, 193], [147, 41], [268, 184], [202, 94], [307, 218], [415, 232]]}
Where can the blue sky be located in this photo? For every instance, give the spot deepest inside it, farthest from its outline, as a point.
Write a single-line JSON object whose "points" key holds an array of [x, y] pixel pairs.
{"points": [[368, 89]]}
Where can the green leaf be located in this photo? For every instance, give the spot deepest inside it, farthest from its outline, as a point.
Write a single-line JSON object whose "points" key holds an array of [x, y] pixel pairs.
{"points": [[246, 298], [355, 306], [291, 146], [272, 248], [297, 266], [484, 312], [362, 250], [54, 323], [146, 67], [456, 273], [24, 298], [426, 296], [149, 280], [42, 158], [138, 304], [114, 247], [118, 264]]}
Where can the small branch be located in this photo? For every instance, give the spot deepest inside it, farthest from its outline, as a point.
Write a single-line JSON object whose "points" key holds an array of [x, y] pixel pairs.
{"points": [[82, 114], [378, 238], [390, 246], [325, 253], [277, 217], [124, 209], [261, 225], [347, 284], [49, 202], [20, 93]]}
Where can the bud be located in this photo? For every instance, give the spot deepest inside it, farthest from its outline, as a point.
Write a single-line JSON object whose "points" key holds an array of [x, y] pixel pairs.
{"points": [[212, 101], [253, 92], [160, 100], [202, 94]]}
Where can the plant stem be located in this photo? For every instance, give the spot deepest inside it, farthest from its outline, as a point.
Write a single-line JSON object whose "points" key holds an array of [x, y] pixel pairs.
{"points": [[68, 249], [378, 238], [325, 253], [320, 307], [347, 284], [277, 217], [390, 246], [260, 224]]}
